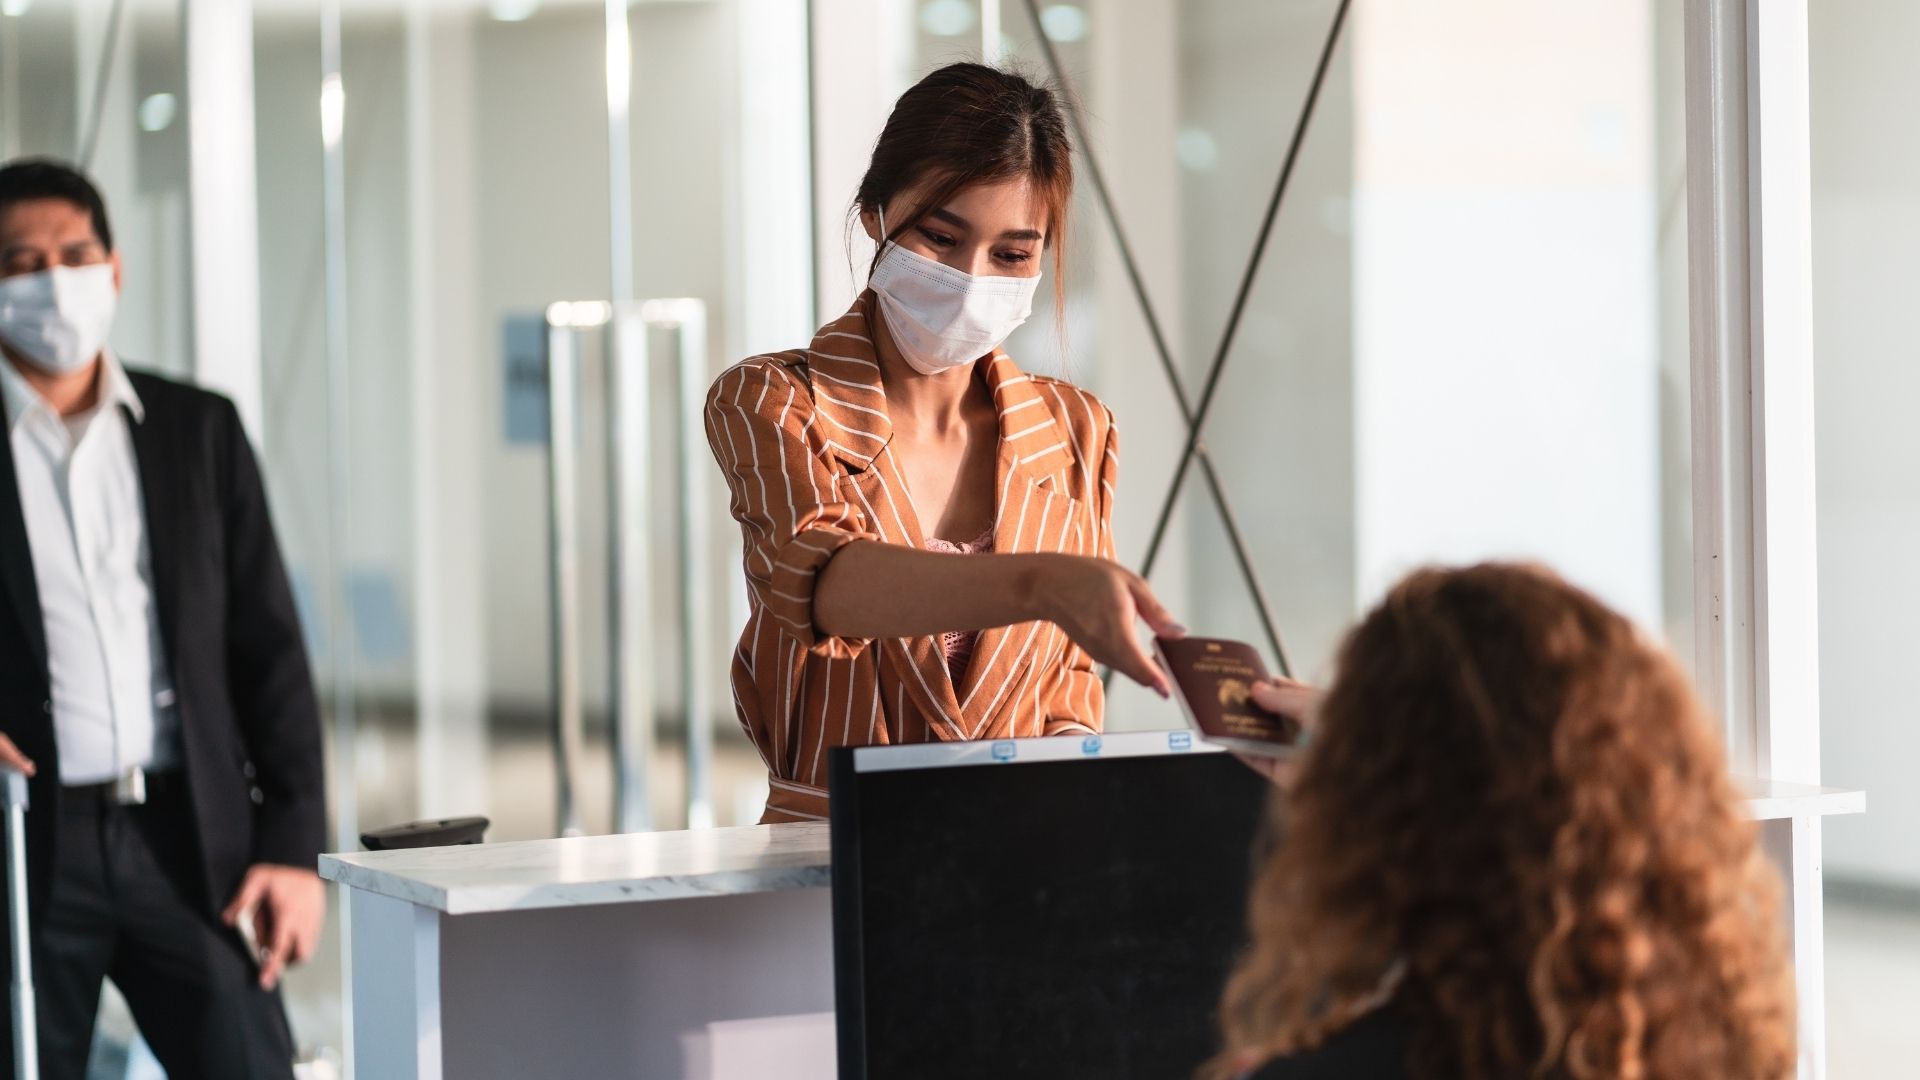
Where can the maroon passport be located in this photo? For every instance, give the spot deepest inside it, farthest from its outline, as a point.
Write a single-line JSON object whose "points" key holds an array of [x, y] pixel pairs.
{"points": [[1214, 678]]}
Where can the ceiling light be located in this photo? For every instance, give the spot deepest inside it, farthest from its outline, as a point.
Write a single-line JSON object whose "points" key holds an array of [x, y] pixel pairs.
{"points": [[156, 112], [1064, 23], [1196, 149], [333, 110], [512, 10]]}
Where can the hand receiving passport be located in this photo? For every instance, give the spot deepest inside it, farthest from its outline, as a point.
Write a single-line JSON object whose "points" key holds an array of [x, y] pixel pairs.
{"points": [[1296, 701]]}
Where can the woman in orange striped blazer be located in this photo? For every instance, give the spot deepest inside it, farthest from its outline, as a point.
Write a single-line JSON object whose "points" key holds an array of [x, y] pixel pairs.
{"points": [[929, 549]]}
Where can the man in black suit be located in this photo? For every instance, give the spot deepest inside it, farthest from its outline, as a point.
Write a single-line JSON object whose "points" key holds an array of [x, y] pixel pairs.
{"points": [[153, 682]]}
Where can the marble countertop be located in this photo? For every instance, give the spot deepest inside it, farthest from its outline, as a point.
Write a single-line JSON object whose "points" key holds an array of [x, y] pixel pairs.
{"points": [[581, 870]]}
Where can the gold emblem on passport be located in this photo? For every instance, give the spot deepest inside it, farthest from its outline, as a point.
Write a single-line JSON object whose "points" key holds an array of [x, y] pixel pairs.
{"points": [[1234, 693]]}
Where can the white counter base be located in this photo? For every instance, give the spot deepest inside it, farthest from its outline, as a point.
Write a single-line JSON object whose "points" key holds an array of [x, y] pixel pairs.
{"points": [[648, 990]]}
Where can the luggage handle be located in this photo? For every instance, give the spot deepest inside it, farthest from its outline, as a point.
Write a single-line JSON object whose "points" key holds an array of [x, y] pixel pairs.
{"points": [[26, 1035]]}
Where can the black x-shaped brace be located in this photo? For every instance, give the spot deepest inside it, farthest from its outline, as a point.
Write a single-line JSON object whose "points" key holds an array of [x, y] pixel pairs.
{"points": [[1196, 418]]}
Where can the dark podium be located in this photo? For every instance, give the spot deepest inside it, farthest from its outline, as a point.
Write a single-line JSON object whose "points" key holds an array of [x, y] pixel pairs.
{"points": [[1044, 908]]}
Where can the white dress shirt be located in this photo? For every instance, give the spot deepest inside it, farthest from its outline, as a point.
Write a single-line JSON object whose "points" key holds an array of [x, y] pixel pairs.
{"points": [[87, 529]]}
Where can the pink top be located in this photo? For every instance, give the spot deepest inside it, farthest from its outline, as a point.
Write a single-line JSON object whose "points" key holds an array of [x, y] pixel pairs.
{"points": [[958, 644]]}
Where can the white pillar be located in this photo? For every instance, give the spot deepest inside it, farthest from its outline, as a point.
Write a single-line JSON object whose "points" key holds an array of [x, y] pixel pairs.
{"points": [[449, 415], [1750, 218], [222, 202], [1757, 642], [771, 227], [861, 62]]}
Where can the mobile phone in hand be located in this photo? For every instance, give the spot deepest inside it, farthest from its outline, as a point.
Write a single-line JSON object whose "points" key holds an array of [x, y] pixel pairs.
{"points": [[251, 937]]}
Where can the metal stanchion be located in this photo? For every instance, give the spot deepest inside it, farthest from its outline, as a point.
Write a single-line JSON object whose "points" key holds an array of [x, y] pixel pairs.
{"points": [[689, 319], [563, 566], [629, 567], [630, 551]]}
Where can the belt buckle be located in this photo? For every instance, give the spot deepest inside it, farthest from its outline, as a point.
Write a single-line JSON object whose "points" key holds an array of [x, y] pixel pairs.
{"points": [[130, 788]]}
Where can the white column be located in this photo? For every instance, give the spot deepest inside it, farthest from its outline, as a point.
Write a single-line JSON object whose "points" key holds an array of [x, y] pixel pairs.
{"points": [[222, 202], [448, 415], [862, 54], [771, 228], [1787, 610], [1755, 568], [1750, 223]]}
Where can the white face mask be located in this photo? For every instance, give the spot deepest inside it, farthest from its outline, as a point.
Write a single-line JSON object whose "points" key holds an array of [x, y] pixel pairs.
{"points": [[58, 319], [940, 317]]}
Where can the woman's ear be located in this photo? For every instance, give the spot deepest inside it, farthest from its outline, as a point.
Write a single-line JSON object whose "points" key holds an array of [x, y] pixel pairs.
{"points": [[870, 221]]}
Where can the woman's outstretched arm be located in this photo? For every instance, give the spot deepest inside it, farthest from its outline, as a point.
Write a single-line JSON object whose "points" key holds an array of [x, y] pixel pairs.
{"points": [[877, 590]]}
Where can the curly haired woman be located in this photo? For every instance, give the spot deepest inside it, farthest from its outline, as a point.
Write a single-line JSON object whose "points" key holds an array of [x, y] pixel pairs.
{"points": [[1511, 851]]}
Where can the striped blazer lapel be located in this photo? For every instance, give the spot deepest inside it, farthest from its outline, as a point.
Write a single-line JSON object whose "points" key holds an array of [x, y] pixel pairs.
{"points": [[848, 399], [1034, 453], [1032, 512], [851, 405]]}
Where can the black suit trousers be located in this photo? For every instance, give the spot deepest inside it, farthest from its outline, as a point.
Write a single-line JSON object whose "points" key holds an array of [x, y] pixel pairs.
{"points": [[127, 905]]}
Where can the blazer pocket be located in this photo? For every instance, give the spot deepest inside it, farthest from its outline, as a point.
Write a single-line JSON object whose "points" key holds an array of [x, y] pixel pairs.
{"points": [[1050, 520], [865, 492]]}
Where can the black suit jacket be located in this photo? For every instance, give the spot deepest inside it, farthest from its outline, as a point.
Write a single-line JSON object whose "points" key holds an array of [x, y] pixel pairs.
{"points": [[249, 722]]}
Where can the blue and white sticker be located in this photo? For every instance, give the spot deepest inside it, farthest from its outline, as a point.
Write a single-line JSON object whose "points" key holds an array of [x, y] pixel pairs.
{"points": [[1179, 740], [1090, 746], [1003, 750]]}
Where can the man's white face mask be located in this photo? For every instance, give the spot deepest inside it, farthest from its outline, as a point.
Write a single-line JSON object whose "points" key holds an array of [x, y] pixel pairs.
{"points": [[941, 317], [58, 318]]}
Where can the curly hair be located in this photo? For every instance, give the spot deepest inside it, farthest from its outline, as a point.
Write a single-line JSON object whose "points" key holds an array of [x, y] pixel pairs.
{"points": [[1515, 805]]}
